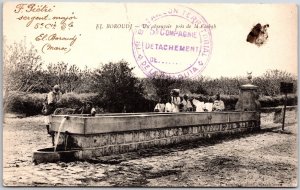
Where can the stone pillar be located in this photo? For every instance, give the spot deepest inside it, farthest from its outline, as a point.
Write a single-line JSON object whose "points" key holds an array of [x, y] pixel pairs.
{"points": [[248, 98]]}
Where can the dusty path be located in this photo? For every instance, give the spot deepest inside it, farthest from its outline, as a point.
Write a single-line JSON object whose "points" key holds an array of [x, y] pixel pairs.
{"points": [[267, 158]]}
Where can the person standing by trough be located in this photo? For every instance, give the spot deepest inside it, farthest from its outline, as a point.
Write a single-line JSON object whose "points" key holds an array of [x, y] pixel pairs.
{"points": [[175, 100], [52, 101]]}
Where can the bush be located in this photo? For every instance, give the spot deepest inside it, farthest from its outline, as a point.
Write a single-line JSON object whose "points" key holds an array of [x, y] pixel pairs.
{"points": [[73, 100], [24, 103], [119, 89], [229, 101], [269, 101], [31, 104], [265, 101]]}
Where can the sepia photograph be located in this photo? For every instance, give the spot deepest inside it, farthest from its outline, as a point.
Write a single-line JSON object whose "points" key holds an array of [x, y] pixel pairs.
{"points": [[150, 94]]}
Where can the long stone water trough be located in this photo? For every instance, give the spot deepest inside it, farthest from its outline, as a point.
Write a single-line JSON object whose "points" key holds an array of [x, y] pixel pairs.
{"points": [[84, 137]]}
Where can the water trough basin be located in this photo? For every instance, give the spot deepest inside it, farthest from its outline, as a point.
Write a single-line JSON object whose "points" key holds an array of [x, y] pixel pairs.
{"points": [[47, 155]]}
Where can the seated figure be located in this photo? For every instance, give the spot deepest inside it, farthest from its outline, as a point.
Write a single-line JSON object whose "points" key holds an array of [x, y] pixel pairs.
{"points": [[208, 106], [218, 104], [186, 104], [199, 105], [168, 107], [175, 100], [87, 108], [160, 107], [189, 105]]}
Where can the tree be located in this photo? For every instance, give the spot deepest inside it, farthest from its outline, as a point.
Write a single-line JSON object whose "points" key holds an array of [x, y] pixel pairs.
{"points": [[163, 84], [197, 86], [269, 83], [22, 69], [116, 86], [85, 84], [69, 77]]}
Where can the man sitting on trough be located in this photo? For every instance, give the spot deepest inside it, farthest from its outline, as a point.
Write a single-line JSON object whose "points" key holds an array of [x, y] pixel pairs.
{"points": [[87, 108], [218, 104]]}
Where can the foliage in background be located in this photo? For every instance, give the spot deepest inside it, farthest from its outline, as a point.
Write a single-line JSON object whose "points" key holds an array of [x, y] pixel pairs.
{"points": [[160, 86], [31, 103], [116, 87], [269, 82], [22, 69], [69, 77]]}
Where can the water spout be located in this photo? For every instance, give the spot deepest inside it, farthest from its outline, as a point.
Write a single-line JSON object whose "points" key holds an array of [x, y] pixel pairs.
{"points": [[58, 132]]}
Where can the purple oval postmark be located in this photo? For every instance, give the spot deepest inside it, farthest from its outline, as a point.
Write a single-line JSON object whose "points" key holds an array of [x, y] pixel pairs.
{"points": [[177, 43]]}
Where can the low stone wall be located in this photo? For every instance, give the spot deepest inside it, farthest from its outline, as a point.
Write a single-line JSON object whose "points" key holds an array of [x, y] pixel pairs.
{"points": [[276, 109], [102, 144]]}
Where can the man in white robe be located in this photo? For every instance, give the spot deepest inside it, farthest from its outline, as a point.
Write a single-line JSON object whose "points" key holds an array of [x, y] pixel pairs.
{"points": [[199, 105]]}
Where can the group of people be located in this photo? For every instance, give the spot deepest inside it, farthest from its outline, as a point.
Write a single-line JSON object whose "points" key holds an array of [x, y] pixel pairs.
{"points": [[177, 104], [174, 104]]}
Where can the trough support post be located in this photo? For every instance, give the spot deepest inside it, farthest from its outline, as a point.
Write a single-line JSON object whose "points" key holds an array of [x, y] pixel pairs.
{"points": [[285, 87], [52, 137], [284, 108]]}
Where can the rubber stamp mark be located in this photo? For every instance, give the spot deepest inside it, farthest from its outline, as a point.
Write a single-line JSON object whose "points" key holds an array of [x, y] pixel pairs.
{"points": [[172, 43]]}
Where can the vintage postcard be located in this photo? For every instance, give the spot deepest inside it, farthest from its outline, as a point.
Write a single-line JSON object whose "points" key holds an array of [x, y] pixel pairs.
{"points": [[150, 94]]}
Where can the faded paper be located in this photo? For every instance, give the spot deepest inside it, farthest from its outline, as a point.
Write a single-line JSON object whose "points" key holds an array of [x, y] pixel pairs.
{"points": [[207, 43]]}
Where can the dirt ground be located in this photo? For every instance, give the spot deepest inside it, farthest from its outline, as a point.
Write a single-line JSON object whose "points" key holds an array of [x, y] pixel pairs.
{"points": [[264, 159]]}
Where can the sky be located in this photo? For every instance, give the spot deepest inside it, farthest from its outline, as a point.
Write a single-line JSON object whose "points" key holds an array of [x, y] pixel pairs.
{"points": [[228, 52]]}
